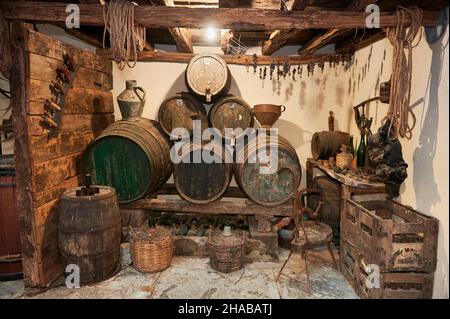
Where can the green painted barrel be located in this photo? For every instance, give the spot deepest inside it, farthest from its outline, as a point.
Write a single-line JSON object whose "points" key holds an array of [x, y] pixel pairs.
{"points": [[131, 156]]}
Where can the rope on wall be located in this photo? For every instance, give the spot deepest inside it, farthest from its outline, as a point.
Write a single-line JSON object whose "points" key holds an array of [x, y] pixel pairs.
{"points": [[402, 38], [125, 38]]}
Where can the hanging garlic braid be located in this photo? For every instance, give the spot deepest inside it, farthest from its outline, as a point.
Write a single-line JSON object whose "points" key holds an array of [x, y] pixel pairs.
{"points": [[124, 37]]}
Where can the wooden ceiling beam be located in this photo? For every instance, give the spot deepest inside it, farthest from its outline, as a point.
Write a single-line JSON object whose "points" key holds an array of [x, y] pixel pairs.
{"points": [[358, 44], [239, 59], [181, 36], [279, 38], [325, 38], [239, 19]]}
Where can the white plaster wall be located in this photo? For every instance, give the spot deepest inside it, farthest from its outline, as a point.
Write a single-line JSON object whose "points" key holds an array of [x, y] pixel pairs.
{"points": [[308, 100], [427, 153]]}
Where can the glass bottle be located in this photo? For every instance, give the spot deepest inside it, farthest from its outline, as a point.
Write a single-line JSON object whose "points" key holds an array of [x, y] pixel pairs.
{"points": [[351, 147], [361, 153]]}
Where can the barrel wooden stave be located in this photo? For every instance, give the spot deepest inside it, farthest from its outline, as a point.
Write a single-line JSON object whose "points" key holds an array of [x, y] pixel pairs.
{"points": [[131, 156], [268, 189], [10, 247], [330, 196], [327, 144], [207, 74], [231, 112], [89, 233], [179, 111], [202, 183]]}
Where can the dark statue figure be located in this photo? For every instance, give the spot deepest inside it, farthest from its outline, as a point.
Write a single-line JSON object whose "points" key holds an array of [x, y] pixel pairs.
{"points": [[387, 159]]}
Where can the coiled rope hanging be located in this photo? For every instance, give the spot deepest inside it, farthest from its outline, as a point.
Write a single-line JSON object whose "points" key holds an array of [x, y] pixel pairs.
{"points": [[402, 38], [124, 37]]}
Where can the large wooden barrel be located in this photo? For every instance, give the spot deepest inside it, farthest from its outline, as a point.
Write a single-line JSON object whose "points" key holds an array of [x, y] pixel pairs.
{"points": [[231, 112], [89, 233], [179, 111], [10, 248], [206, 180], [256, 179], [207, 76], [327, 144], [131, 156]]}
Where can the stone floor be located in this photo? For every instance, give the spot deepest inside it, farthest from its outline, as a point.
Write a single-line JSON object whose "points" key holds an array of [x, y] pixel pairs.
{"points": [[193, 278]]}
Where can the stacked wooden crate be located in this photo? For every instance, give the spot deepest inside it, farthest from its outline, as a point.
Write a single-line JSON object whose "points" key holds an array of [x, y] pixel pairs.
{"points": [[388, 250]]}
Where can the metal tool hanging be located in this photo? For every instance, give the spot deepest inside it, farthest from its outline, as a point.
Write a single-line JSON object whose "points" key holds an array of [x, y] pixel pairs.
{"points": [[54, 107]]}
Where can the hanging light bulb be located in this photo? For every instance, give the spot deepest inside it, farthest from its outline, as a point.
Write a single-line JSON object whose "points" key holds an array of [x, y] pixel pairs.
{"points": [[210, 33]]}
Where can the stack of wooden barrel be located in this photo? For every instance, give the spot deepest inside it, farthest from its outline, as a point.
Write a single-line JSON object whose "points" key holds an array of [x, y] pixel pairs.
{"points": [[133, 156]]}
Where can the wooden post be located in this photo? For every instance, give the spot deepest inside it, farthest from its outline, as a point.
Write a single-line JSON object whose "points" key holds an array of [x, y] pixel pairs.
{"points": [[5, 46], [22, 155]]}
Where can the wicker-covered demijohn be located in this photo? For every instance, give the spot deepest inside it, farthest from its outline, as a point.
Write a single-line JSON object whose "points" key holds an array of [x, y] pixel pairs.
{"points": [[151, 248], [226, 253]]}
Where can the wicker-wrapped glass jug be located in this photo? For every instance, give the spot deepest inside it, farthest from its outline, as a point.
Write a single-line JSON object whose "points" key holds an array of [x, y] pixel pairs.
{"points": [[226, 250]]}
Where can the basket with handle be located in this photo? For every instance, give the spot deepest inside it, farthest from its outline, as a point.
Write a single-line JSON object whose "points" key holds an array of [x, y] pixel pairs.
{"points": [[151, 248]]}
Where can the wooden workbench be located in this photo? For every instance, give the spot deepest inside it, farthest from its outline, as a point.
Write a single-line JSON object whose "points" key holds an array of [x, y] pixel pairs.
{"points": [[349, 186]]}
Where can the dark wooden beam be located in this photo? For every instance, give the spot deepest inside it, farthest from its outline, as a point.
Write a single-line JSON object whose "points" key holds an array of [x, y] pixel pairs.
{"points": [[24, 196], [324, 39], [241, 19], [239, 59], [299, 5], [223, 206], [181, 36], [358, 44], [279, 38], [5, 46], [88, 38]]}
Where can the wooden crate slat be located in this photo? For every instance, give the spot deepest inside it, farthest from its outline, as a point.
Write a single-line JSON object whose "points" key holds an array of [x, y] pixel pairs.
{"points": [[382, 239]]}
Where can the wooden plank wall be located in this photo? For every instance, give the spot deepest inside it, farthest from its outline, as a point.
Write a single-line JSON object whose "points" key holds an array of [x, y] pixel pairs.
{"points": [[54, 161]]}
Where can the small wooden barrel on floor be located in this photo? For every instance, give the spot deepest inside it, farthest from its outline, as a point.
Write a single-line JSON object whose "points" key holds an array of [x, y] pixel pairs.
{"points": [[10, 248], [199, 179], [327, 144], [207, 76], [231, 112], [131, 156], [272, 183], [179, 111], [89, 233]]}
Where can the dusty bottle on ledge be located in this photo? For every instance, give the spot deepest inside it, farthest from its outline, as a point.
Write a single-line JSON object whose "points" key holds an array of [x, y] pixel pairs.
{"points": [[361, 153]]}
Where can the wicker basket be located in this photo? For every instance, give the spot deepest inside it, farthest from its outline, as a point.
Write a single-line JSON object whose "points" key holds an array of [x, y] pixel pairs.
{"points": [[151, 248], [226, 254]]}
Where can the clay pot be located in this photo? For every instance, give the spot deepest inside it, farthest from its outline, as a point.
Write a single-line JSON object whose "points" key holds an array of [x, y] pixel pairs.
{"points": [[344, 158], [131, 101]]}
